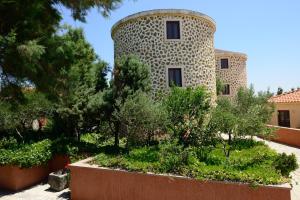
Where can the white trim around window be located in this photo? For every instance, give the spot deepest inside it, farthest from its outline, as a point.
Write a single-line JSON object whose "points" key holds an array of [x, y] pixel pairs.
{"points": [[175, 67], [180, 29], [220, 64]]}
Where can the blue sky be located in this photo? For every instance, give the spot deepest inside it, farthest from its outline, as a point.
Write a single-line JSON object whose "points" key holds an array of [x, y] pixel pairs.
{"points": [[268, 31]]}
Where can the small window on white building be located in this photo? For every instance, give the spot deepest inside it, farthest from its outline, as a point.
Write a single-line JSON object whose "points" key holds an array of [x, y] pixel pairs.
{"points": [[173, 30], [175, 77], [226, 89], [224, 63]]}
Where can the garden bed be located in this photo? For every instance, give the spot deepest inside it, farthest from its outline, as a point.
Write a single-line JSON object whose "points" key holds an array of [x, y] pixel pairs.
{"points": [[15, 178], [24, 165], [90, 181]]}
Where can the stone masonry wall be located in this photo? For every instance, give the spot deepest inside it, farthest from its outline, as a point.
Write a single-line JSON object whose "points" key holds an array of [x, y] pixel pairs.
{"points": [[235, 75], [145, 37]]}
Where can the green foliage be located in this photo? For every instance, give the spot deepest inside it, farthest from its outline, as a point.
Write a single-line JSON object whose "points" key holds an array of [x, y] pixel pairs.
{"points": [[246, 115], [10, 142], [144, 119], [130, 77], [170, 157], [80, 86], [37, 57], [219, 86], [251, 162], [187, 110], [286, 163], [27, 155], [17, 118]]}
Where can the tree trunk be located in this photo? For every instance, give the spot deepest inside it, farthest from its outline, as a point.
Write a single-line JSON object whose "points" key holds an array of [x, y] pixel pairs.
{"points": [[116, 133], [229, 138], [77, 134]]}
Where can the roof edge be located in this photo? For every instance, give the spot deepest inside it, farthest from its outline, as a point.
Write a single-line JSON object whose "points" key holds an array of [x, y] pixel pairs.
{"points": [[163, 12], [229, 53]]}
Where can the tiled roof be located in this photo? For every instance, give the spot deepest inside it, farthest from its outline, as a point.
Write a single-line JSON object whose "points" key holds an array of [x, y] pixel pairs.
{"points": [[288, 97]]}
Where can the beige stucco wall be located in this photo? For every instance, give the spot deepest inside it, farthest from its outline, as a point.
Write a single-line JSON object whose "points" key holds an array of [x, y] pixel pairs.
{"points": [[236, 74], [144, 35], [294, 109]]}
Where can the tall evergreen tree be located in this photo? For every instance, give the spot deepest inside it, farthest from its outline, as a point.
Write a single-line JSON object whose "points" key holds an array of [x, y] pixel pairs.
{"points": [[27, 33]]}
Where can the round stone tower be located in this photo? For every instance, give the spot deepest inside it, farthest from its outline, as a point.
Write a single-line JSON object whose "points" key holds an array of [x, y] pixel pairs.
{"points": [[231, 70], [178, 45]]}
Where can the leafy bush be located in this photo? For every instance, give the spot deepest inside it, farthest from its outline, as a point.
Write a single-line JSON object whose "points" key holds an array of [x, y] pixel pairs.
{"points": [[144, 119], [286, 163], [64, 146], [188, 109], [130, 76], [245, 115], [10, 142], [17, 118], [251, 162], [171, 157], [28, 155]]}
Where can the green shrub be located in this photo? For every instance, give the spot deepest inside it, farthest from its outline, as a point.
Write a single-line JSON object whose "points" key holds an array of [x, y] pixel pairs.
{"points": [[28, 155], [8, 143], [171, 157], [64, 146], [251, 162], [187, 110], [144, 119], [286, 163], [17, 118]]}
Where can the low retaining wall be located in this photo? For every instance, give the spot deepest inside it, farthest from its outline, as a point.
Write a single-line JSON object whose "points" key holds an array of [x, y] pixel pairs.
{"points": [[58, 162], [289, 136], [15, 178], [91, 182]]}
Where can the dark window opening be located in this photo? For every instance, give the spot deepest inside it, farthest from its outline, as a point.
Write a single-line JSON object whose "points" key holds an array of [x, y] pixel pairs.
{"points": [[284, 118], [173, 30], [224, 63], [226, 90], [175, 77]]}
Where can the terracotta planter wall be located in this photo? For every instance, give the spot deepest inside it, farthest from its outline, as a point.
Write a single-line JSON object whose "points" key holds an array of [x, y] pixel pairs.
{"points": [[91, 182], [289, 136], [58, 162], [15, 178]]}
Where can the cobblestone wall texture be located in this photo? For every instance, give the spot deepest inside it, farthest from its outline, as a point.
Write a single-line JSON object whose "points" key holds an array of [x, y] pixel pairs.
{"points": [[144, 35]]}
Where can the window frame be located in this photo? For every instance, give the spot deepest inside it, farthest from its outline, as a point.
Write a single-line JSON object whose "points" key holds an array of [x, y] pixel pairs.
{"points": [[229, 90], [182, 75], [180, 29], [282, 123], [220, 61]]}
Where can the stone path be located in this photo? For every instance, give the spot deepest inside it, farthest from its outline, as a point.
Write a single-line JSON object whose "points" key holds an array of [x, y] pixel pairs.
{"points": [[38, 192], [280, 148]]}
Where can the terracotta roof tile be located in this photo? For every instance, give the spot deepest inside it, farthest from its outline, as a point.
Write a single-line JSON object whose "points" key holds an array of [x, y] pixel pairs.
{"points": [[288, 97]]}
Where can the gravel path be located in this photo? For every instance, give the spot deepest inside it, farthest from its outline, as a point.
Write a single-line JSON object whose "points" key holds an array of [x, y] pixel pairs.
{"points": [[38, 192], [280, 148]]}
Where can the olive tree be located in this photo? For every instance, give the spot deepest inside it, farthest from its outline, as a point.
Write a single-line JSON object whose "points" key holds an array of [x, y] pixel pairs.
{"points": [[245, 115]]}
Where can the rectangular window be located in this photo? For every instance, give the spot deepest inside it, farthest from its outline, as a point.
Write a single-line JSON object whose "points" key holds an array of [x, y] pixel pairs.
{"points": [[284, 118], [175, 77], [224, 63], [173, 30], [226, 90]]}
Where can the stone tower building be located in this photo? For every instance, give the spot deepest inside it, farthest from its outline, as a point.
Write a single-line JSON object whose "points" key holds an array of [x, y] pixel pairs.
{"points": [[178, 45]]}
